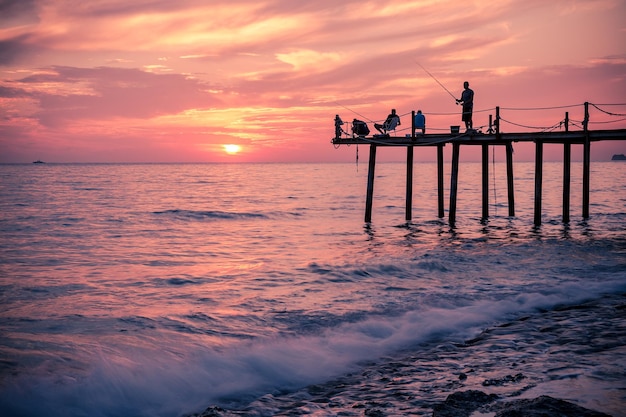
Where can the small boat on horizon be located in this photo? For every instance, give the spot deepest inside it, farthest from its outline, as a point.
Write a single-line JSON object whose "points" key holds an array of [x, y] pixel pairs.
{"points": [[38, 162], [619, 157]]}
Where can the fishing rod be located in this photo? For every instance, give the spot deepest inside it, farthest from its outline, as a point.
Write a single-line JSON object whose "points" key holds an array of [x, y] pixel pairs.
{"points": [[433, 77], [360, 115], [357, 145]]}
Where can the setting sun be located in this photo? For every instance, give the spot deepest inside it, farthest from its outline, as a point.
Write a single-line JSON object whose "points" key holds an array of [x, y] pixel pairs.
{"points": [[232, 149]]}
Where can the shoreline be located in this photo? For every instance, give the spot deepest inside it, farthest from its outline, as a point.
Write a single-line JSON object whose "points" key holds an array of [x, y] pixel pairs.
{"points": [[532, 362]]}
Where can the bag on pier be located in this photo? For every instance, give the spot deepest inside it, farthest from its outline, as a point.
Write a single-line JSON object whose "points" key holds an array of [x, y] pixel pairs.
{"points": [[359, 128]]}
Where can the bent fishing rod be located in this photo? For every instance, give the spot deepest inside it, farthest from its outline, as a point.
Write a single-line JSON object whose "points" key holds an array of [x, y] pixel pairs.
{"points": [[442, 86]]}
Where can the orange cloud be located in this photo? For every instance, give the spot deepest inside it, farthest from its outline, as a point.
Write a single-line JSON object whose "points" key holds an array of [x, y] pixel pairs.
{"points": [[182, 78]]}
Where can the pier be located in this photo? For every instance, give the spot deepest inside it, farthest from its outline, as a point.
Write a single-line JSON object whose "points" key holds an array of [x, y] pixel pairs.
{"points": [[493, 137]]}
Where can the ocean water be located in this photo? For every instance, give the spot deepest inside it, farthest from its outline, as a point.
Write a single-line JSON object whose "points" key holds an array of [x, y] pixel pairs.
{"points": [[258, 290]]}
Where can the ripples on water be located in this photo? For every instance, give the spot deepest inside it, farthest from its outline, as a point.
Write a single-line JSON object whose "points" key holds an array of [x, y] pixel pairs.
{"points": [[162, 289]]}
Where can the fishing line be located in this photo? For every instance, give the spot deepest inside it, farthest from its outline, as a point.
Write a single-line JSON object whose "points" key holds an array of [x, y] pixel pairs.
{"points": [[360, 115], [433, 77]]}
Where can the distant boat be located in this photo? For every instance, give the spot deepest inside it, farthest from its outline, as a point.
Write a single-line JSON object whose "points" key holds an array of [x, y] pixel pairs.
{"points": [[619, 157], [42, 162]]}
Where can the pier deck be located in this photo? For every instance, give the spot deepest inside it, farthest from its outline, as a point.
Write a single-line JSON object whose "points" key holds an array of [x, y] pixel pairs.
{"points": [[566, 138], [433, 139]]}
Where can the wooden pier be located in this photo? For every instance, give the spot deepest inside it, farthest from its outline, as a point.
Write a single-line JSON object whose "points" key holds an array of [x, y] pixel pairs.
{"points": [[567, 138]]}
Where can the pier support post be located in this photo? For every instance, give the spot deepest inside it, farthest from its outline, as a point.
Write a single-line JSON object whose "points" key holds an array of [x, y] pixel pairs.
{"points": [[538, 180], [370, 184], [485, 182], [440, 180], [509, 178], [586, 163], [454, 181], [567, 168], [409, 181]]}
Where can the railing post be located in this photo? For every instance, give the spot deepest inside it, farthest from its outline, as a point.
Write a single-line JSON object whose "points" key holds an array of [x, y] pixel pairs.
{"points": [[497, 122]]}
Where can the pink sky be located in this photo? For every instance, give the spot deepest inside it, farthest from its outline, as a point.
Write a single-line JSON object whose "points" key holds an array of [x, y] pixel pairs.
{"points": [[175, 81]]}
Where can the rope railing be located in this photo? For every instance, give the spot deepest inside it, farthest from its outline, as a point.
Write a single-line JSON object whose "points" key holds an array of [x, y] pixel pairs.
{"points": [[579, 124], [539, 108], [607, 121], [606, 112], [529, 127]]}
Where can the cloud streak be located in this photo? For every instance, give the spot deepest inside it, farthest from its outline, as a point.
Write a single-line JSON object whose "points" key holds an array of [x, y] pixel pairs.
{"points": [[265, 72], [104, 92]]}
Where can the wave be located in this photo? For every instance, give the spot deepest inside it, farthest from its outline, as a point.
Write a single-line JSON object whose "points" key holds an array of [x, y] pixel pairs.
{"points": [[208, 215], [171, 378]]}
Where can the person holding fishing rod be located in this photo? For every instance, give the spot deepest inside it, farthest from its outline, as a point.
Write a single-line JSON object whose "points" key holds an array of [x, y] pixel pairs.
{"points": [[467, 99], [338, 129]]}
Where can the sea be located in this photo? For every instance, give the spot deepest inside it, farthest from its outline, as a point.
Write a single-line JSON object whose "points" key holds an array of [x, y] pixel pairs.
{"points": [[257, 289]]}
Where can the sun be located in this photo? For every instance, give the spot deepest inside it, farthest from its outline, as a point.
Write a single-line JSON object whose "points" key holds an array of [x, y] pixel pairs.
{"points": [[232, 149]]}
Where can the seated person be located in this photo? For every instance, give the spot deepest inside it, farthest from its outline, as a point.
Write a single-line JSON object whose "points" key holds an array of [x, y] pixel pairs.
{"points": [[390, 123], [420, 121], [359, 128]]}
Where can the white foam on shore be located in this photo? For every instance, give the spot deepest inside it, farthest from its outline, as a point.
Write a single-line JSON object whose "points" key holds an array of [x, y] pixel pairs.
{"points": [[179, 379]]}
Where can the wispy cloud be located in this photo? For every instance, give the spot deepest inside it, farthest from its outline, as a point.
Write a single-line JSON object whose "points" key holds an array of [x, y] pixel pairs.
{"points": [[265, 71]]}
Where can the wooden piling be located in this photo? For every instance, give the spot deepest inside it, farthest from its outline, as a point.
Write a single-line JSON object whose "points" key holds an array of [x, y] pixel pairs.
{"points": [[485, 182], [509, 178], [370, 184], [454, 181], [567, 168], [409, 182], [440, 196], [538, 179], [586, 163]]}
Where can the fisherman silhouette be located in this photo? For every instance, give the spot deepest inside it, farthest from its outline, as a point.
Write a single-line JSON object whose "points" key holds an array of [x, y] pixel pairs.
{"points": [[420, 121], [467, 99], [338, 129], [359, 128], [390, 123]]}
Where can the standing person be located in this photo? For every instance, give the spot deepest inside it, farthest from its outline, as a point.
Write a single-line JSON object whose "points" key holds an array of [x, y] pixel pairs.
{"points": [[390, 123], [420, 121], [467, 98], [338, 128]]}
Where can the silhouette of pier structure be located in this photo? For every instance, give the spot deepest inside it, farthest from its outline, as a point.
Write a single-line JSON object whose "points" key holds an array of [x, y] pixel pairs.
{"points": [[493, 137]]}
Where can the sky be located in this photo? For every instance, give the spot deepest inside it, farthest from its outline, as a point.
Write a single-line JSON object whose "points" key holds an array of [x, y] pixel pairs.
{"points": [[262, 80]]}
